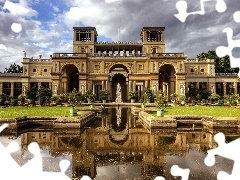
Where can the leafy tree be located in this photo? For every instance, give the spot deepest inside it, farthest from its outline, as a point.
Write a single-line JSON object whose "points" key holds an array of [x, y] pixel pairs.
{"points": [[14, 68], [44, 95], [222, 64]]}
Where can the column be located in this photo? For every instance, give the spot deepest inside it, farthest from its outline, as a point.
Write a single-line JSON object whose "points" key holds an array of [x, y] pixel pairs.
{"points": [[110, 89], [164, 87], [62, 88], [1, 87], [93, 87], [79, 85], [167, 88], [103, 88], [130, 85], [224, 88], [103, 122], [127, 83], [39, 85], [197, 85], [146, 84], [65, 87], [186, 88], [235, 87], [12, 88], [134, 85], [107, 88]]}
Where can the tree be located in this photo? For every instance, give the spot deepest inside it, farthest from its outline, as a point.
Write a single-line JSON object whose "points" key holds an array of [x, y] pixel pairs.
{"points": [[222, 64], [44, 95], [14, 68]]}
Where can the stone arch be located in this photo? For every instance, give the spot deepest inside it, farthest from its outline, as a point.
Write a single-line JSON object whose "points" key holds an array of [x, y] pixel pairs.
{"points": [[123, 66], [167, 78], [70, 77], [64, 64], [119, 74]]}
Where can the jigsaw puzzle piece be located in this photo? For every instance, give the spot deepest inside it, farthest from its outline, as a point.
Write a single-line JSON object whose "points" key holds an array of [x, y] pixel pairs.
{"points": [[64, 164], [159, 178], [177, 171], [181, 6], [222, 51], [223, 176], [226, 150], [235, 175], [5, 125], [221, 6], [236, 16], [34, 167], [2, 46], [85, 177], [16, 10], [7, 169], [182, 11]]}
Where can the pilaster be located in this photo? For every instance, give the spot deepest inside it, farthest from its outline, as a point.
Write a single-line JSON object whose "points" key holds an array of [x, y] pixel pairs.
{"points": [[235, 87], [12, 89], [1, 87], [224, 88]]}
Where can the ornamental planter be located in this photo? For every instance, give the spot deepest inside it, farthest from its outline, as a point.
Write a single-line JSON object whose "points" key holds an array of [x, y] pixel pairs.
{"points": [[30, 101], [103, 95], [104, 101], [73, 112], [160, 112], [132, 100], [133, 95]]}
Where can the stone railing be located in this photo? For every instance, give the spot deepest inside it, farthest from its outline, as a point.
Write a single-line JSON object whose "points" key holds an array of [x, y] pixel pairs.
{"points": [[118, 42], [70, 55], [200, 60], [227, 74], [39, 60], [168, 55], [117, 55]]}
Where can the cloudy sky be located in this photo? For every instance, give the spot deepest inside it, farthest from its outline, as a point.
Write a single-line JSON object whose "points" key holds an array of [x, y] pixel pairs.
{"points": [[47, 26]]}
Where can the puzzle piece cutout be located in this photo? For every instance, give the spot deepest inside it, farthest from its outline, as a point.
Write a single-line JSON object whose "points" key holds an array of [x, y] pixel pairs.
{"points": [[85, 177], [182, 9], [226, 150], [236, 16], [30, 170], [177, 171], [16, 10], [159, 178], [222, 51]]}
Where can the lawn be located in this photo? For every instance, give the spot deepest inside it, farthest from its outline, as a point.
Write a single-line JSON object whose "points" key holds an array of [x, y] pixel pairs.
{"points": [[19, 111], [215, 111]]}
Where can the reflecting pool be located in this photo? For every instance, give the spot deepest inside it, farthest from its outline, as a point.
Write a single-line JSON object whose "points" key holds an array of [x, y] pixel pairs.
{"points": [[117, 146]]}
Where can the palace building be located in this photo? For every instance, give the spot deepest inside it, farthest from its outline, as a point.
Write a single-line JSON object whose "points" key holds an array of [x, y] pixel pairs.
{"points": [[102, 65]]}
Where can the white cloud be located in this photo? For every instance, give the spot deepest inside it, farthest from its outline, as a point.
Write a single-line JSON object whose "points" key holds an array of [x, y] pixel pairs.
{"points": [[53, 33]]}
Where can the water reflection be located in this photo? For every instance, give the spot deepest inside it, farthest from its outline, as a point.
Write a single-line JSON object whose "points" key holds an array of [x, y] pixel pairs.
{"points": [[116, 146]]}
